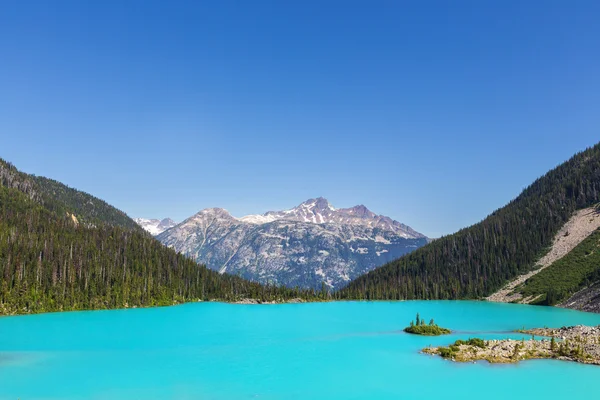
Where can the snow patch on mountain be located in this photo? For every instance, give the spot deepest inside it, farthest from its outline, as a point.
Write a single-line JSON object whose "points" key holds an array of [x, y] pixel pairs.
{"points": [[257, 219], [155, 226]]}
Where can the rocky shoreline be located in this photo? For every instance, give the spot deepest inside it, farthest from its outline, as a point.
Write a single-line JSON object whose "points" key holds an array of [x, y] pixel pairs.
{"points": [[255, 301], [576, 343]]}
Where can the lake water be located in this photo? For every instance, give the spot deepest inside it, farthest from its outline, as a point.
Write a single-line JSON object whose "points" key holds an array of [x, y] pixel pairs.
{"points": [[342, 350]]}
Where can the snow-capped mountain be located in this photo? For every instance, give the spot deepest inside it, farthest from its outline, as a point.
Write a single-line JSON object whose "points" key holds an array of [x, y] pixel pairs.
{"points": [[155, 226], [303, 246], [319, 211]]}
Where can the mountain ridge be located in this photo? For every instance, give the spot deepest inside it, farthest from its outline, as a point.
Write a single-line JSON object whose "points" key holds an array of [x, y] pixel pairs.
{"points": [[307, 246], [320, 211]]}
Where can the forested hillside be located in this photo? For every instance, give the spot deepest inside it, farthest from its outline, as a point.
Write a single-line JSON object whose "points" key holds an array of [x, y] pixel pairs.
{"points": [[62, 199], [478, 260], [50, 261]]}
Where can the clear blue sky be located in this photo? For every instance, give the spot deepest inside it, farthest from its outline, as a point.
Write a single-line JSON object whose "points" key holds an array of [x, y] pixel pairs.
{"points": [[434, 113]]}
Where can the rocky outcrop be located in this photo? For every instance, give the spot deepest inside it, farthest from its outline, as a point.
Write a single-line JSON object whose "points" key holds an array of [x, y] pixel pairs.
{"points": [[576, 343]]}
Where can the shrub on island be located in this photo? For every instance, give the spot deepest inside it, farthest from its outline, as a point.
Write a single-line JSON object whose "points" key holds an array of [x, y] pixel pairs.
{"points": [[419, 327], [452, 350]]}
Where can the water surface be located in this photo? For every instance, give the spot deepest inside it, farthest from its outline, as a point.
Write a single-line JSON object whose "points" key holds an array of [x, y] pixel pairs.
{"points": [[344, 350]]}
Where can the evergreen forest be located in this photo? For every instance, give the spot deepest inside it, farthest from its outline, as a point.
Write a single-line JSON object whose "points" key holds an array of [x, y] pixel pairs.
{"points": [[478, 260], [62, 249]]}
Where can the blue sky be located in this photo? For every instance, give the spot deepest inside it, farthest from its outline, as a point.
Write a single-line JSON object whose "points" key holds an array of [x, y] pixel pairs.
{"points": [[434, 113]]}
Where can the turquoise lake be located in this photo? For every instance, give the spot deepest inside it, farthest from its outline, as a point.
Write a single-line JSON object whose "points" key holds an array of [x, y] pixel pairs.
{"points": [[339, 350]]}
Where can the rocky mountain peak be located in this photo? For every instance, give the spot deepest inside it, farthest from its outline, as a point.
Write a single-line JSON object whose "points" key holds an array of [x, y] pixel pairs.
{"points": [[214, 212], [320, 211], [320, 203]]}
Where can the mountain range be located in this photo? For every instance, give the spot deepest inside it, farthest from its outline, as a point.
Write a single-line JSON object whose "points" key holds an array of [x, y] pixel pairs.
{"points": [[63, 249], [306, 246]]}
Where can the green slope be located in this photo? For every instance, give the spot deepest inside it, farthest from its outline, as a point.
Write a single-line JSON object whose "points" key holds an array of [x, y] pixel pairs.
{"points": [[49, 262], [577, 270], [478, 260]]}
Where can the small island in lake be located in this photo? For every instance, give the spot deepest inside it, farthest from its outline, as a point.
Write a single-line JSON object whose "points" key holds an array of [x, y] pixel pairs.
{"points": [[576, 343], [419, 327]]}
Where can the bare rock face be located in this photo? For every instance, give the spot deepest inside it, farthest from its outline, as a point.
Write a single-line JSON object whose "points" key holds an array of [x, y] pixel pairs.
{"points": [[306, 246]]}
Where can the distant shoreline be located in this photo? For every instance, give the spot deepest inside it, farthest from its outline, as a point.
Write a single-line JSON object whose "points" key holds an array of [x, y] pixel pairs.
{"points": [[5, 312]]}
